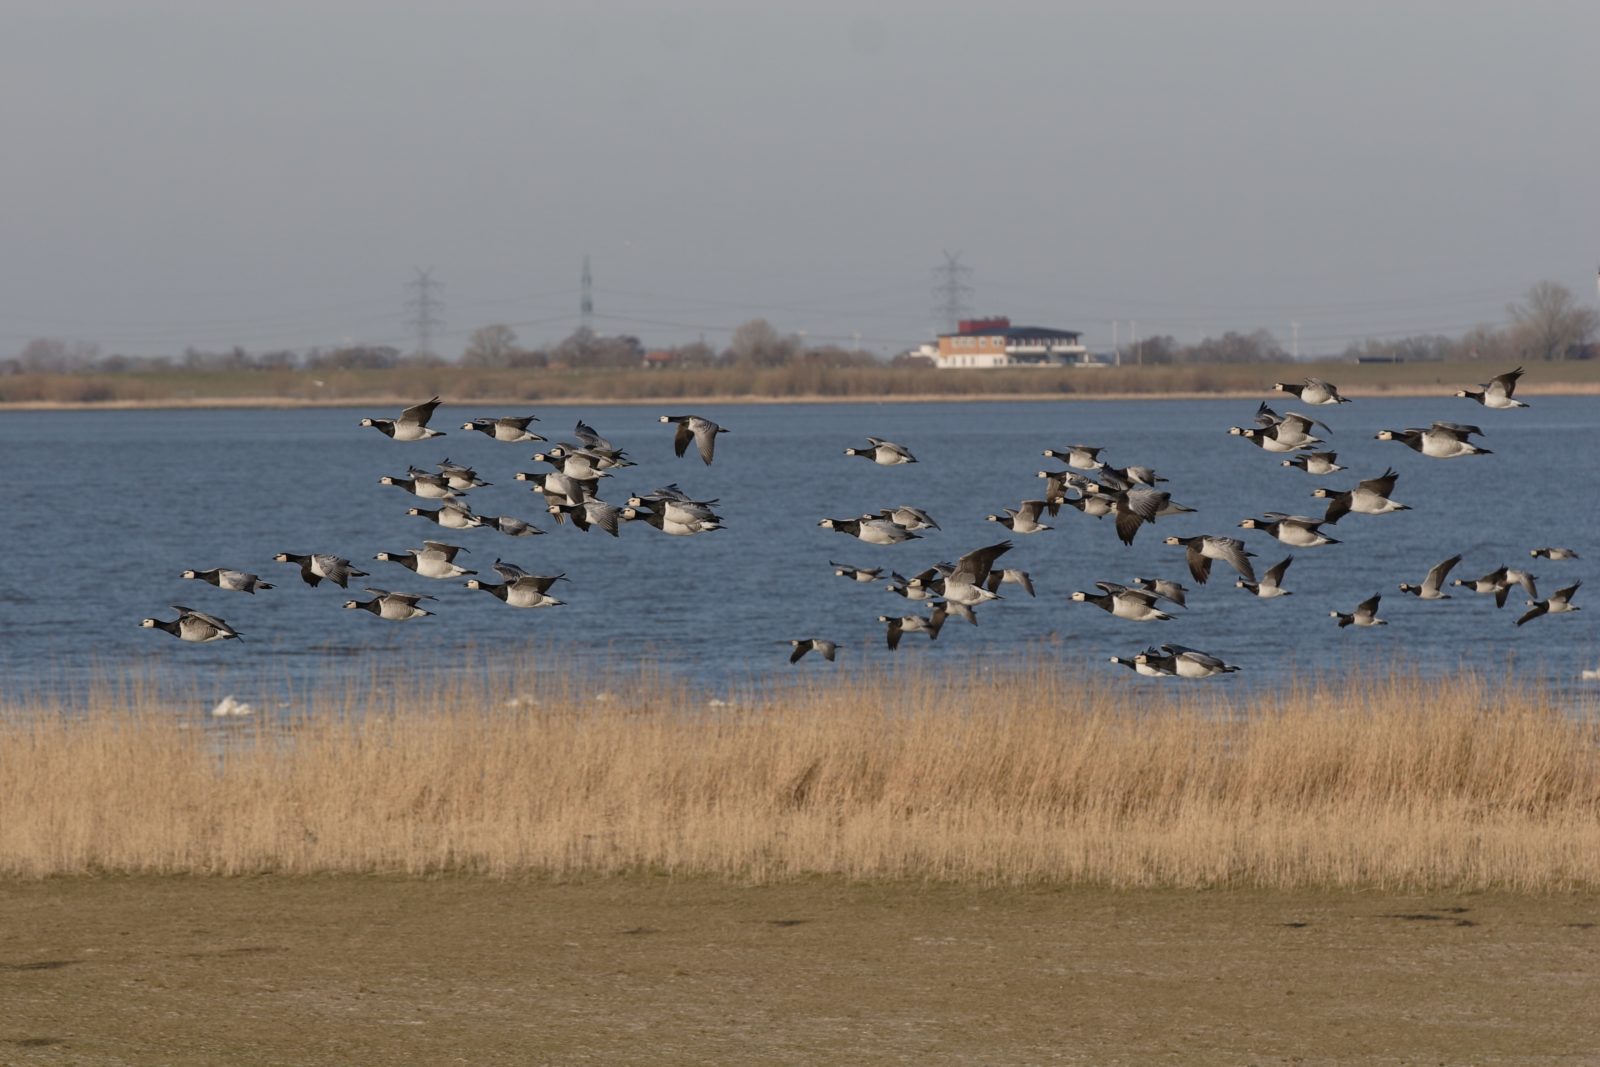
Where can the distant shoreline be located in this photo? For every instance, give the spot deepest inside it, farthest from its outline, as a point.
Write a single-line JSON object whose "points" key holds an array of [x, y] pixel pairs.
{"points": [[391, 400]]}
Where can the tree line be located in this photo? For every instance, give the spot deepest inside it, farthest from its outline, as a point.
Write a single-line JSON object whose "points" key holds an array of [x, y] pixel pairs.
{"points": [[1548, 323]]}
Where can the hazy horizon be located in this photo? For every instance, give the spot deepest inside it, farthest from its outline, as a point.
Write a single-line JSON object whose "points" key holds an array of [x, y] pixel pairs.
{"points": [[180, 174]]}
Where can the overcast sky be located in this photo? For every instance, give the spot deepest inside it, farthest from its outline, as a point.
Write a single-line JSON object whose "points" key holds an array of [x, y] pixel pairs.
{"points": [[211, 173]]}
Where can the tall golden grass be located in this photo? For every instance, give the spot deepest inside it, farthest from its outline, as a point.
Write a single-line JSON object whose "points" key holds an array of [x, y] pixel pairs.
{"points": [[795, 381], [1026, 776]]}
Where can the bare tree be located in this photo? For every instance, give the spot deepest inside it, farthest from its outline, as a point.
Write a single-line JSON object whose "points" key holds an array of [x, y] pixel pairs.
{"points": [[757, 343], [1550, 323], [1258, 346], [57, 356], [490, 346]]}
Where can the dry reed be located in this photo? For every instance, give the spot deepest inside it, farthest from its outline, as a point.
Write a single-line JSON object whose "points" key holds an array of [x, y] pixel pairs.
{"points": [[1024, 777], [794, 382]]}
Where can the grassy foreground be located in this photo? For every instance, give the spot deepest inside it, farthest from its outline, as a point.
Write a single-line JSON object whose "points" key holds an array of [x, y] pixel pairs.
{"points": [[370, 970], [1024, 777]]}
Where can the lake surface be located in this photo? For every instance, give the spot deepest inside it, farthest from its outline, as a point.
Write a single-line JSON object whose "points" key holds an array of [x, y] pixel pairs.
{"points": [[107, 508]]}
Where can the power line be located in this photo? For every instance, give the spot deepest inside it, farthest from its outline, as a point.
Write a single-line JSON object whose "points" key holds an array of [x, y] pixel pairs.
{"points": [[423, 306]]}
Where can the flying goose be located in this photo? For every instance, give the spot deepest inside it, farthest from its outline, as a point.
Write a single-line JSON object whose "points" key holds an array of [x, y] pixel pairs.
{"points": [[1280, 433], [1430, 589], [235, 581], [1095, 505], [557, 488], [1314, 391], [663, 521], [923, 586], [911, 518], [1494, 582], [872, 531], [1271, 584], [1496, 393], [314, 568], [1297, 531], [412, 425], [1167, 590], [965, 582], [914, 624], [1366, 614], [856, 574], [1203, 548], [1370, 497], [883, 453], [460, 478], [703, 432], [1553, 553], [826, 649], [1083, 457], [1009, 576], [521, 589], [1056, 485], [1267, 440], [1524, 579], [1318, 463], [192, 625], [423, 484], [509, 526], [592, 440], [1559, 603], [1136, 605], [677, 509], [450, 516], [1136, 506], [578, 464], [1442, 440], [1023, 519], [512, 429], [1127, 477], [1147, 663], [395, 607], [602, 459], [1186, 662], [435, 560], [589, 513]]}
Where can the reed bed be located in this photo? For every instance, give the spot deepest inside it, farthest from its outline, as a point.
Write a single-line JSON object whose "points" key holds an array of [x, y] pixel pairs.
{"points": [[1023, 776], [797, 381]]}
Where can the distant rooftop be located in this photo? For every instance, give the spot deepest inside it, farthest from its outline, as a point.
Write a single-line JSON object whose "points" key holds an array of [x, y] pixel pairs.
{"points": [[1000, 326]]}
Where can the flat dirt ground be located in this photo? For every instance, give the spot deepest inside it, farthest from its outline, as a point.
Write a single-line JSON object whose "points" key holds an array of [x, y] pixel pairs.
{"points": [[652, 971]]}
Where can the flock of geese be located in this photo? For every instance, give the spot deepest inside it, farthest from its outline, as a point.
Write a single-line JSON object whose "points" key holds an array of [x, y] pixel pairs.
{"points": [[573, 471]]}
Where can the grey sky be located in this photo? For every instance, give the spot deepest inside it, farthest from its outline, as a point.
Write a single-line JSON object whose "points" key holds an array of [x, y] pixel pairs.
{"points": [[212, 173]]}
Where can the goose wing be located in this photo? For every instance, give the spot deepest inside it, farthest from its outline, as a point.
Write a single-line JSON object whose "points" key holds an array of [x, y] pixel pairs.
{"points": [[973, 568], [681, 439], [1383, 484], [1503, 384], [1436, 575], [509, 571], [419, 413], [209, 620], [588, 435], [705, 438]]}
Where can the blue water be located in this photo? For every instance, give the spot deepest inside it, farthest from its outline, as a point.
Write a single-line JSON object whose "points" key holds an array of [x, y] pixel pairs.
{"points": [[107, 508]]}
